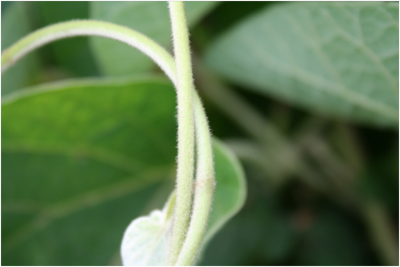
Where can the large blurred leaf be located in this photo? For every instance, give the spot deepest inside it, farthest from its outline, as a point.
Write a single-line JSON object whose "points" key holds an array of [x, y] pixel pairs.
{"points": [[341, 59], [73, 53], [149, 18], [4, 6], [81, 159], [14, 26]]}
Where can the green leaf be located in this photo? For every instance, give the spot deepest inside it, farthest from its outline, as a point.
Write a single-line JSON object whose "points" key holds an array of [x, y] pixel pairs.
{"points": [[335, 58], [82, 159], [74, 53], [149, 18], [230, 192], [4, 6], [15, 25]]}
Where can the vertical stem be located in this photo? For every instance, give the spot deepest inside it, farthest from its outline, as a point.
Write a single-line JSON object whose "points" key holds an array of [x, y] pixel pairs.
{"points": [[185, 88], [186, 253], [205, 184]]}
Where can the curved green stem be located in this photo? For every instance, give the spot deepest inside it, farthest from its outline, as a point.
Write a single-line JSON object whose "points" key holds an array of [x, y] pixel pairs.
{"points": [[205, 171], [85, 28]]}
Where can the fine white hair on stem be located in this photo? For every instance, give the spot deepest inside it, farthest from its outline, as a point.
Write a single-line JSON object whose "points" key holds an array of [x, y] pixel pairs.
{"points": [[204, 191], [89, 28], [185, 88], [205, 168], [205, 182]]}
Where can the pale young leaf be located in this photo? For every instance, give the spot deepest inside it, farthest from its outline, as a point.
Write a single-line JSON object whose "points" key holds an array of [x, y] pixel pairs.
{"points": [[146, 240]]}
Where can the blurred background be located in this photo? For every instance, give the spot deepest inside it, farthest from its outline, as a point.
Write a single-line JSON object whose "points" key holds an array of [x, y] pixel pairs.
{"points": [[322, 175]]}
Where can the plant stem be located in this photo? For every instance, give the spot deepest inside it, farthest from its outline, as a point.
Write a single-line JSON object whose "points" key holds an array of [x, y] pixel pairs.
{"points": [[205, 185], [84, 28], [184, 253], [154, 51], [185, 87]]}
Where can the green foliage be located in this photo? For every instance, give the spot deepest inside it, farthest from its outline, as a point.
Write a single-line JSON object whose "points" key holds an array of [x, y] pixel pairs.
{"points": [[90, 151], [312, 88], [340, 59], [149, 18]]}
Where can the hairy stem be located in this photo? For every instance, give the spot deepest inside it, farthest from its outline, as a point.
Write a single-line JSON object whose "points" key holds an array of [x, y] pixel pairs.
{"points": [[205, 182], [204, 191], [185, 87], [134, 39], [84, 28]]}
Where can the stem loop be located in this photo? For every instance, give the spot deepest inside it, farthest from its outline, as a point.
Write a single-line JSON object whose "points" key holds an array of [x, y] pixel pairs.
{"points": [[205, 168]]}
